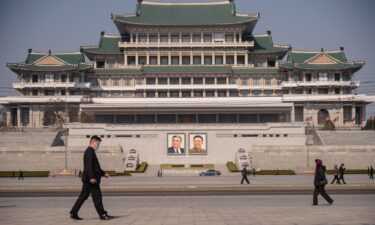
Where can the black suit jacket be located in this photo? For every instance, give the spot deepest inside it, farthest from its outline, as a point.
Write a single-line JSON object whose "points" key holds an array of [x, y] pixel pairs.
{"points": [[171, 150], [91, 166]]}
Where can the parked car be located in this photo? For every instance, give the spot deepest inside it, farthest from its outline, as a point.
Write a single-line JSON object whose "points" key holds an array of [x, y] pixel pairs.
{"points": [[210, 173]]}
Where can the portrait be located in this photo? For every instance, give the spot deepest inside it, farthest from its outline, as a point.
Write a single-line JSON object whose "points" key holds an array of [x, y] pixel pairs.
{"points": [[176, 144], [197, 144]]}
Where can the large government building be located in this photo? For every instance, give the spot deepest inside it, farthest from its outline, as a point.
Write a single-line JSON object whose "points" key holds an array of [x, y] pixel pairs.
{"points": [[188, 83]]}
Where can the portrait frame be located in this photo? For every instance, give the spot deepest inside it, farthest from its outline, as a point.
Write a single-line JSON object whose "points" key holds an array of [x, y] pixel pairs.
{"points": [[170, 149], [204, 145]]}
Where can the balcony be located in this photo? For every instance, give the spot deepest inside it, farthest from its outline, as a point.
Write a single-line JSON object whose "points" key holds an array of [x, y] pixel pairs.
{"points": [[51, 85], [291, 84], [245, 44]]}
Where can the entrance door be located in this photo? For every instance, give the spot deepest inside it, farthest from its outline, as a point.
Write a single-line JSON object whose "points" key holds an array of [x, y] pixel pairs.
{"points": [[25, 116]]}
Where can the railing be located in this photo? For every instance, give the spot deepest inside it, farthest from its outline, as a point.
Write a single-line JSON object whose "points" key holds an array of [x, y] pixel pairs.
{"points": [[184, 44], [51, 85], [319, 83]]}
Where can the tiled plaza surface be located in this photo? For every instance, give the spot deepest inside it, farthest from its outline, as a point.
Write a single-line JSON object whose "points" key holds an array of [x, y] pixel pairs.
{"points": [[198, 210]]}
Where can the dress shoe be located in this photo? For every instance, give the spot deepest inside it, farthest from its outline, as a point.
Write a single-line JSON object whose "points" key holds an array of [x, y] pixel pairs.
{"points": [[106, 217], [331, 202], [75, 217]]}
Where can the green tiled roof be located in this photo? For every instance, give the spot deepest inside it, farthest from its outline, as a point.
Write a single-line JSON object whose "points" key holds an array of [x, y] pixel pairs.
{"points": [[185, 14], [265, 43], [71, 61], [186, 69], [255, 70], [107, 45], [300, 59]]}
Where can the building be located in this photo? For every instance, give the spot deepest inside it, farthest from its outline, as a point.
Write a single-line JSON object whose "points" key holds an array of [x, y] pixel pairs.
{"points": [[173, 72]]}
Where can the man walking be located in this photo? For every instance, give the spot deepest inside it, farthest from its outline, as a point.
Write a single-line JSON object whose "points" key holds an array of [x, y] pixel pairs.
{"points": [[20, 175], [244, 175], [336, 175], [342, 173], [91, 177], [371, 172], [320, 181]]}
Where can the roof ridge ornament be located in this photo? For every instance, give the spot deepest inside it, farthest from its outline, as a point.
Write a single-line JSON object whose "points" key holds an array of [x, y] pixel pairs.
{"points": [[138, 7]]}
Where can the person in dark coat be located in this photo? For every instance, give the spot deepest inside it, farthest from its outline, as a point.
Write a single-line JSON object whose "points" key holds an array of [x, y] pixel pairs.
{"points": [[342, 173], [244, 175], [20, 175], [371, 172], [335, 175], [91, 177], [320, 181]]}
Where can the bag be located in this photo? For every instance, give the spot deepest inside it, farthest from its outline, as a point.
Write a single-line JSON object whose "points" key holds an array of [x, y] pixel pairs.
{"points": [[322, 182]]}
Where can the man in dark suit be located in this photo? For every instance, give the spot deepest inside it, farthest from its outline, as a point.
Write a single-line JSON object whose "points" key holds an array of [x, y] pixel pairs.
{"points": [[176, 146], [244, 173], [91, 182]]}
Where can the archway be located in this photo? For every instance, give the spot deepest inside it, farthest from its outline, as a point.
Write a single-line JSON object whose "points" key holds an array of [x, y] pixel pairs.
{"points": [[323, 114]]}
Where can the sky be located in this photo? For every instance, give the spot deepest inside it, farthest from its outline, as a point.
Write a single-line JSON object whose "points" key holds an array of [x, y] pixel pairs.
{"points": [[64, 26]]}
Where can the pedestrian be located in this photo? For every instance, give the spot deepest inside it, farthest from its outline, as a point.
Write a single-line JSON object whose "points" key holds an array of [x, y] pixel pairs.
{"points": [[244, 175], [254, 172], [371, 172], [320, 181], [80, 173], [277, 172], [161, 173], [158, 173], [20, 175], [335, 175], [91, 178], [368, 171], [14, 174], [342, 173]]}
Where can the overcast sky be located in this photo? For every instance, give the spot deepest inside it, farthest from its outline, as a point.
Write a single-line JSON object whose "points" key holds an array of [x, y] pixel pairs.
{"points": [[305, 24]]}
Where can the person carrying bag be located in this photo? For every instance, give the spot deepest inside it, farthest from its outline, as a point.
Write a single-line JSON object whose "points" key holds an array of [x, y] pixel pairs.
{"points": [[320, 181]]}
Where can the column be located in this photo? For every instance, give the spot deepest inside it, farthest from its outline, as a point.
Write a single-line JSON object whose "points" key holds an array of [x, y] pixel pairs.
{"points": [[31, 119], [147, 58], [213, 57], [202, 58], [136, 58], [246, 58], [353, 113], [225, 58], [125, 59], [292, 115], [169, 58], [235, 58], [8, 115]]}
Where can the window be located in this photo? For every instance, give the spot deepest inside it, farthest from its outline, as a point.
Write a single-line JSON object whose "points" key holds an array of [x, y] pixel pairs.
{"points": [[49, 92], [268, 81], [219, 37], [174, 94], [163, 94], [221, 80], [337, 91], [186, 80], [139, 81], [131, 60], [116, 82], [63, 92], [209, 80], [207, 60], [232, 80], [186, 38], [256, 93], [308, 77], [323, 76], [153, 38], [271, 63], [218, 60], [198, 94], [164, 60], [175, 38], [337, 77], [150, 81], [128, 82], [162, 81], [153, 60], [116, 94], [164, 38], [139, 94], [104, 82], [240, 59], [268, 93], [227, 118], [104, 94], [222, 93], [309, 91], [150, 94], [128, 93], [196, 60], [207, 38], [245, 93], [34, 78], [142, 38], [197, 38], [49, 77], [142, 60], [186, 94], [175, 60], [186, 60], [230, 59], [197, 80], [35, 92], [233, 93], [174, 80], [322, 91], [63, 78], [229, 38], [210, 94], [244, 81], [207, 118], [100, 64], [256, 81]]}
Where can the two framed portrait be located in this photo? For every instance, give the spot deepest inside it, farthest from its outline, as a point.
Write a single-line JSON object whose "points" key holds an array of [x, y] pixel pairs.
{"points": [[195, 144]]}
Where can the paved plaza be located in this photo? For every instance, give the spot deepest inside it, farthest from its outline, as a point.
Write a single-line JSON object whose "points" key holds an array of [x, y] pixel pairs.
{"points": [[198, 210]]}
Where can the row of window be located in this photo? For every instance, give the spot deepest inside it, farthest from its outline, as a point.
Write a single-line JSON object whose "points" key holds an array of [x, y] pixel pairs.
{"points": [[51, 77], [321, 76], [186, 38], [192, 118], [183, 81]]}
